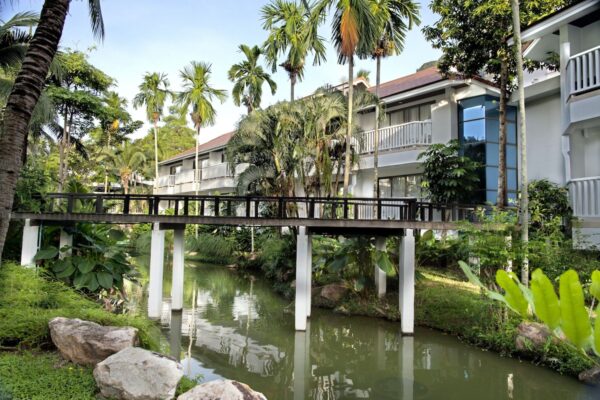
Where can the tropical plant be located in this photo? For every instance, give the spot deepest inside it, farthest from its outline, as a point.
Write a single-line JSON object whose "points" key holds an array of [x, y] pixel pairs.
{"points": [[15, 37], [565, 315], [199, 94], [125, 160], [97, 261], [394, 18], [548, 205], [25, 93], [293, 35], [354, 30], [153, 94], [249, 78], [448, 176]]}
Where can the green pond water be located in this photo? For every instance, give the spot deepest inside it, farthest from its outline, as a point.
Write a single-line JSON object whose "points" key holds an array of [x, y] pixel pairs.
{"points": [[240, 329]]}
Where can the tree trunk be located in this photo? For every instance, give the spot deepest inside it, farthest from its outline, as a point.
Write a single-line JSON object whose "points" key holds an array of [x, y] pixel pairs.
{"points": [[22, 100], [376, 134], [196, 177], [61, 151], [292, 85], [155, 152], [524, 206], [105, 168], [347, 165], [501, 197]]}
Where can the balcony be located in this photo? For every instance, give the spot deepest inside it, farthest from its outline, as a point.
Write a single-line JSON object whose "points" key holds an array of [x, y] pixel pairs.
{"points": [[584, 71], [417, 133], [217, 177], [585, 197]]}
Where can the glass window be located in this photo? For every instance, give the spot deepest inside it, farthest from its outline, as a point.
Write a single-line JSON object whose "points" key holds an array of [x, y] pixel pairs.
{"points": [[472, 108], [512, 198], [491, 196], [411, 114], [492, 153], [511, 133], [491, 178], [475, 151], [425, 112], [175, 169], [492, 108], [385, 187], [511, 179], [511, 113], [511, 156], [474, 131], [492, 130], [413, 186], [397, 117], [399, 186]]}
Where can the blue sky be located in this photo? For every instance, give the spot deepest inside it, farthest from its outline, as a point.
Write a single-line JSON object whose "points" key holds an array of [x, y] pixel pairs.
{"points": [[164, 36]]}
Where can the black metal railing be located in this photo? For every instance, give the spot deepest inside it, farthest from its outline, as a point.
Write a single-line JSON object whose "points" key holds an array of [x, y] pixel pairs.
{"points": [[329, 208]]}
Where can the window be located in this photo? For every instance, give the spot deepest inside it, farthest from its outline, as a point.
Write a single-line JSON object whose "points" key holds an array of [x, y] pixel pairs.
{"points": [[421, 112], [400, 186], [203, 163], [479, 127], [175, 169]]}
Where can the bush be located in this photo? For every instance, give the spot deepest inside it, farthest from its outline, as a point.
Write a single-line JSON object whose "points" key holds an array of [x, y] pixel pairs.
{"points": [[28, 301], [548, 205], [212, 248]]}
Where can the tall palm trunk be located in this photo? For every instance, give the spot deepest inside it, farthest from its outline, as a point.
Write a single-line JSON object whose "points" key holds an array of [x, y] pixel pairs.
{"points": [[524, 206], [349, 131], [62, 145], [501, 197], [22, 100], [155, 152], [376, 134], [292, 85], [106, 169], [196, 176]]}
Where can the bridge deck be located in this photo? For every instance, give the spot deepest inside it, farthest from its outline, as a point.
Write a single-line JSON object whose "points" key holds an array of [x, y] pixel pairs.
{"points": [[317, 214]]}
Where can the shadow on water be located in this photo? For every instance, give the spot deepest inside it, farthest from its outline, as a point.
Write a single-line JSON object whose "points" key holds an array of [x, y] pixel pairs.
{"points": [[235, 328]]}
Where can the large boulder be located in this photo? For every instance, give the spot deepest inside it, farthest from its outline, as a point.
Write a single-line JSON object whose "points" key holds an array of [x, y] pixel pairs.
{"points": [[532, 335], [222, 390], [138, 374], [87, 343], [591, 376], [333, 292]]}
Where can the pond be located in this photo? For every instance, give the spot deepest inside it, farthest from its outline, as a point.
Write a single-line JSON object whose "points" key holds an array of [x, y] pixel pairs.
{"points": [[238, 328]]}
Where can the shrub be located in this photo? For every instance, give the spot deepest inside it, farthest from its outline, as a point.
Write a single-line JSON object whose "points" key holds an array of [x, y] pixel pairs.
{"points": [[548, 205], [28, 301], [212, 248]]}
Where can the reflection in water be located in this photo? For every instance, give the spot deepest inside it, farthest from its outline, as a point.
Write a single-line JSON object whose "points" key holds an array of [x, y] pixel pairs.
{"points": [[238, 329]]}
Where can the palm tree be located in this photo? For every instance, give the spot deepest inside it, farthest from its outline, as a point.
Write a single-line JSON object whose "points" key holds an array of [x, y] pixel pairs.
{"points": [[394, 18], [26, 92], [14, 40], [354, 30], [199, 94], [125, 160], [116, 106], [249, 78], [153, 93], [292, 31]]}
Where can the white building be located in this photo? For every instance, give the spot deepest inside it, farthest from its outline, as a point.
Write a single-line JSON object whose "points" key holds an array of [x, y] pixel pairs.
{"points": [[563, 126]]}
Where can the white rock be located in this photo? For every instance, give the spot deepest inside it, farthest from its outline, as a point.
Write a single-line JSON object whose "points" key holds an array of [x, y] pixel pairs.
{"points": [[87, 343], [222, 390], [138, 374]]}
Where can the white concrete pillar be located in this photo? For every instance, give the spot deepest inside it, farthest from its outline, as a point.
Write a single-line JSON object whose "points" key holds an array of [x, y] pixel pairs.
{"points": [[175, 334], [178, 259], [308, 261], [302, 368], [407, 282], [66, 239], [302, 276], [157, 255], [380, 276], [30, 244]]}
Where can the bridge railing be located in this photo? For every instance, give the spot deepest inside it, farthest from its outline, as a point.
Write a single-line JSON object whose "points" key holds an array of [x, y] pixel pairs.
{"points": [[327, 208]]}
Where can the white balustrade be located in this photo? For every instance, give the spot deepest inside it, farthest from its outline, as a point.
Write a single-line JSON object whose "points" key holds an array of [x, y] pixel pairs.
{"points": [[417, 133], [585, 196], [584, 71], [221, 170]]}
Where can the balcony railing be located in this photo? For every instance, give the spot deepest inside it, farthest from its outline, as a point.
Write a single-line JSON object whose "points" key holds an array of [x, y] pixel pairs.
{"points": [[221, 170], [585, 196], [584, 71], [417, 133]]}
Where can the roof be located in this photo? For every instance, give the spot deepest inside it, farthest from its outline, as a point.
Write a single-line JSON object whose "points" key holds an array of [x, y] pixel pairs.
{"points": [[214, 144], [424, 77]]}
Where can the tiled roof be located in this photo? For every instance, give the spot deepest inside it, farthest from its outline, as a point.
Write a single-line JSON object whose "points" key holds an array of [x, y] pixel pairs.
{"points": [[421, 78], [216, 143]]}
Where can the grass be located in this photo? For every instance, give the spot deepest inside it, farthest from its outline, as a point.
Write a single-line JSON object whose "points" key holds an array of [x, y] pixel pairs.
{"points": [[42, 376], [28, 302], [29, 368]]}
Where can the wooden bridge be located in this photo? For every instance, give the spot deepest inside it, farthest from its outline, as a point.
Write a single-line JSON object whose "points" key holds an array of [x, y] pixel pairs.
{"points": [[379, 217]]}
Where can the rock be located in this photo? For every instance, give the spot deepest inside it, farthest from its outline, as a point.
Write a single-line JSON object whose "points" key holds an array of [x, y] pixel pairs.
{"points": [[531, 334], [87, 343], [138, 374], [222, 390], [591, 376], [333, 292]]}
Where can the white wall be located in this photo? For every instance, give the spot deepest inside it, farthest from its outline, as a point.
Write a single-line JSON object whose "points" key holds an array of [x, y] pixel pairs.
{"points": [[544, 150], [589, 36]]}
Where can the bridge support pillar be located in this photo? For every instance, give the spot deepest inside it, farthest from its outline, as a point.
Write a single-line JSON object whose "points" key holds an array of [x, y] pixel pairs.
{"points": [[407, 282], [66, 239], [303, 278], [157, 255], [302, 364], [30, 244], [178, 259], [380, 276]]}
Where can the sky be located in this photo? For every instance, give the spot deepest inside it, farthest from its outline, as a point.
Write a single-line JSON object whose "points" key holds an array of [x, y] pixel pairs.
{"points": [[166, 35]]}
